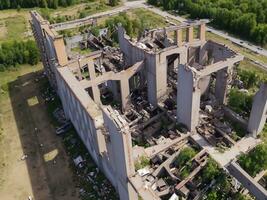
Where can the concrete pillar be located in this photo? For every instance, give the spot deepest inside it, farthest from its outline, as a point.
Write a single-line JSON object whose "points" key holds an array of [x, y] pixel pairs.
{"points": [[179, 37], [258, 113], [60, 51], [203, 54], [221, 85], [190, 34], [166, 42], [125, 92], [188, 98], [151, 65], [202, 32], [183, 57], [122, 155], [96, 94], [113, 86], [79, 71], [92, 75], [176, 63], [161, 76]]}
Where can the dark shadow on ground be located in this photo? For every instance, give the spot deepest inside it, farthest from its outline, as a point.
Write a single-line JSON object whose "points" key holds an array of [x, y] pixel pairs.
{"points": [[47, 161], [50, 168]]}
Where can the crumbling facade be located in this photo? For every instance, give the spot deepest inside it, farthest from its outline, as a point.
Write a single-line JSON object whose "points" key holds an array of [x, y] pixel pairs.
{"points": [[118, 99]]}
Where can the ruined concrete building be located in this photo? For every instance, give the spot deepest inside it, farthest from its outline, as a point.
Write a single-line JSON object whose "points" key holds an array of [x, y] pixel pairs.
{"points": [[144, 100]]}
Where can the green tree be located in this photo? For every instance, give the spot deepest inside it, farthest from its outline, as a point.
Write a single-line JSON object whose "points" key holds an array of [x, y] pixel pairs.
{"points": [[185, 155], [240, 102], [43, 4], [211, 171], [212, 196], [113, 2], [255, 161]]}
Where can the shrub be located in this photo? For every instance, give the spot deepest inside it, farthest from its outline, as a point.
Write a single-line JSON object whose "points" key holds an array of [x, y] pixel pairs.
{"points": [[14, 53], [185, 155]]}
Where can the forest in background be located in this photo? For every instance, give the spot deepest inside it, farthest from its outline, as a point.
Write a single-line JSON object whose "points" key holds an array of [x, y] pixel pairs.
{"points": [[7, 4], [246, 18]]}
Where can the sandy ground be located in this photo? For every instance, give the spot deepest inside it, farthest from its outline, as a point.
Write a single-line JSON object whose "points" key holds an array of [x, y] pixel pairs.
{"points": [[45, 173]]}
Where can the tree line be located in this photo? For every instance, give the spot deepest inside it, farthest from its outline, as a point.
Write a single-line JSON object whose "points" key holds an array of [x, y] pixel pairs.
{"points": [[18, 52], [7, 4], [247, 18], [133, 27]]}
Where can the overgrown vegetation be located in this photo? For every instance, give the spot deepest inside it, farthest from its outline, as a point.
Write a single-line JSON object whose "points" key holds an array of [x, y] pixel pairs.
{"points": [[223, 190], [210, 171], [247, 18], [134, 23], [221, 187], [18, 52], [143, 162], [240, 102], [255, 161], [251, 78], [185, 155]]}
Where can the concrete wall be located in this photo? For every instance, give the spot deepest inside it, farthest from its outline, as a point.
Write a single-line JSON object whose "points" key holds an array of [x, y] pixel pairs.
{"points": [[188, 98], [134, 54], [109, 146], [219, 51], [120, 151], [247, 181], [258, 113], [44, 44], [76, 103], [87, 119], [155, 64]]}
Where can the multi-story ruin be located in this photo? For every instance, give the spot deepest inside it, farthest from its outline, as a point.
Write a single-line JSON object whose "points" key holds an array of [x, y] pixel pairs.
{"points": [[145, 100]]}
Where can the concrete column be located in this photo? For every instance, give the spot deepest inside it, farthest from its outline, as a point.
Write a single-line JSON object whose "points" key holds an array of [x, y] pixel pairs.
{"points": [[92, 75], [161, 76], [60, 51], [122, 155], [188, 98], [79, 71], [125, 92], [113, 86], [190, 34], [202, 32], [96, 94], [176, 63], [221, 85], [258, 113], [183, 57], [203, 54], [151, 65], [166, 42], [179, 37]]}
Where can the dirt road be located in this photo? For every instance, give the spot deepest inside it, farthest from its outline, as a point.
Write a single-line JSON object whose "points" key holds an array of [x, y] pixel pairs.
{"points": [[26, 130]]}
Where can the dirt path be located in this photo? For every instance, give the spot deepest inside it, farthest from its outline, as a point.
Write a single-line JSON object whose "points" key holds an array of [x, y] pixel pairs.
{"points": [[45, 174]]}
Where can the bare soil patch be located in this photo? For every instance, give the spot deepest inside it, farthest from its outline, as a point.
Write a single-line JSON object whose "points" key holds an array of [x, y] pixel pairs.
{"points": [[26, 132]]}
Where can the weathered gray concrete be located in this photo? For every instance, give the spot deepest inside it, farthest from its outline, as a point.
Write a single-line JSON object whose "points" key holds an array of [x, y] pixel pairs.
{"points": [[221, 85], [121, 148], [188, 97], [258, 113], [104, 131], [247, 181]]}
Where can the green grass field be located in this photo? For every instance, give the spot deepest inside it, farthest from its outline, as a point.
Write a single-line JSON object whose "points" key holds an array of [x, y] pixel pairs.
{"points": [[14, 28]]}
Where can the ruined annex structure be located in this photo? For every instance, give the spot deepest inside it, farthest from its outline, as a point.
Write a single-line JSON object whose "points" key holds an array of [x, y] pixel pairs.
{"points": [[147, 99]]}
